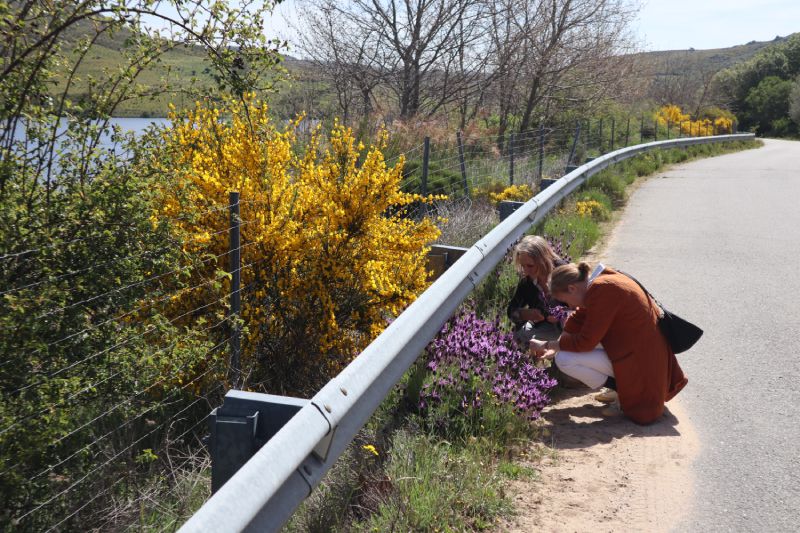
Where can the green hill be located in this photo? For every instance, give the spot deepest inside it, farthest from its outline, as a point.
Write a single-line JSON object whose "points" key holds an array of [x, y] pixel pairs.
{"points": [[674, 76]]}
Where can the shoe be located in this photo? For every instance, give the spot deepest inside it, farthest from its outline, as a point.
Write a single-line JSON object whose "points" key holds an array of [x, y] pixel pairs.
{"points": [[612, 409], [610, 396]]}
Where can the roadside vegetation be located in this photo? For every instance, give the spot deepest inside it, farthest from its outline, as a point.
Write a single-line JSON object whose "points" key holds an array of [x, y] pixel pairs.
{"points": [[115, 277]]}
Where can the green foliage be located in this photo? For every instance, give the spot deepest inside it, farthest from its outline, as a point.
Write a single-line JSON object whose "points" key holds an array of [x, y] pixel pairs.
{"points": [[96, 378], [768, 103], [760, 87], [583, 231], [87, 364], [794, 102], [612, 184], [441, 181]]}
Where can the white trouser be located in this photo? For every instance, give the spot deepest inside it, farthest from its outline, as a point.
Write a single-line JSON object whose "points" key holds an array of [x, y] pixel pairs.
{"points": [[592, 368]]}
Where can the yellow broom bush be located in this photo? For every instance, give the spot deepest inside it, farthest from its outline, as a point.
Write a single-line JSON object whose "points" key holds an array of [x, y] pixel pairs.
{"points": [[672, 114], [328, 253]]}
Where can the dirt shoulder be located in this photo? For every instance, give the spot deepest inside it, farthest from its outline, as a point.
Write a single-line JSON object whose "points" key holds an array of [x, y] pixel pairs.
{"points": [[602, 472], [606, 473]]}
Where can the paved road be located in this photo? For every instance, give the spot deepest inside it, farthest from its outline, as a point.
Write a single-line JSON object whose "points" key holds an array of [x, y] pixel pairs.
{"points": [[718, 241]]}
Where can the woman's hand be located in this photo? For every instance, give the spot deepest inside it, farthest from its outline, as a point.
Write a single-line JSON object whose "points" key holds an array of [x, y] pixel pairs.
{"points": [[539, 349]]}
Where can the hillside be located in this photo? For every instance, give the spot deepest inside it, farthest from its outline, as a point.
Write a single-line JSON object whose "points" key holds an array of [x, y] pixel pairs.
{"points": [[667, 76]]}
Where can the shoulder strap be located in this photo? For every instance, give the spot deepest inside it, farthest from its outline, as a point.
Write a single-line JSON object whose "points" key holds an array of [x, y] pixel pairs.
{"points": [[642, 287]]}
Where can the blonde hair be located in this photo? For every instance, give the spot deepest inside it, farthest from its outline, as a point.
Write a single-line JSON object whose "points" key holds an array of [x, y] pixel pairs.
{"points": [[566, 275], [539, 251]]}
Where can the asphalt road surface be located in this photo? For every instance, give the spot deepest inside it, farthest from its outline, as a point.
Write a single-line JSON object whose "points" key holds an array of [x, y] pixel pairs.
{"points": [[718, 242]]}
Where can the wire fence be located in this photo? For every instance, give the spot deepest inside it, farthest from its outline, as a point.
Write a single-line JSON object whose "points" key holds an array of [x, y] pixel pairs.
{"points": [[105, 391]]}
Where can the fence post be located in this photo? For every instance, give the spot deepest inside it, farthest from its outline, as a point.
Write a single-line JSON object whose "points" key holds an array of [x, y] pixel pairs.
{"points": [[668, 126], [613, 127], [462, 163], [236, 296], [680, 129], [641, 130], [587, 137], [426, 153], [655, 129], [541, 151], [511, 159], [574, 145], [628, 133], [600, 137]]}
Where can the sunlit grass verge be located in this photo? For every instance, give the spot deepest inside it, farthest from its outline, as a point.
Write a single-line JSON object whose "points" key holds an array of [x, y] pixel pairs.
{"points": [[402, 474]]}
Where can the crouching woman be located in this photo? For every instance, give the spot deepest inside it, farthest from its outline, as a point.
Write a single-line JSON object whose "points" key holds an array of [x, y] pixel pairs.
{"points": [[613, 339]]}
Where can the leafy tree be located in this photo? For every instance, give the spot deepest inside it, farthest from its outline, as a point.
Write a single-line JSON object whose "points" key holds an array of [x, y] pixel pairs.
{"points": [[768, 102], [762, 106], [794, 102], [93, 375]]}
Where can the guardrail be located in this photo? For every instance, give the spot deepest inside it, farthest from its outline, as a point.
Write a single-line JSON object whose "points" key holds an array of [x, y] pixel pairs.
{"points": [[264, 493]]}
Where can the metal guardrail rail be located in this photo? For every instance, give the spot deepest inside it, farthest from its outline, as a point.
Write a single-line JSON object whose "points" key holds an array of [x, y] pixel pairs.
{"points": [[264, 493]]}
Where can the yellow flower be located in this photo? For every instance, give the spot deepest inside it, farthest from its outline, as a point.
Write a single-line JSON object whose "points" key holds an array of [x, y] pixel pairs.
{"points": [[323, 263], [371, 449]]}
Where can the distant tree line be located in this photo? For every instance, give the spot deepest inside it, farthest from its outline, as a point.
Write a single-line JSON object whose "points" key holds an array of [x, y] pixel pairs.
{"points": [[764, 91], [520, 61]]}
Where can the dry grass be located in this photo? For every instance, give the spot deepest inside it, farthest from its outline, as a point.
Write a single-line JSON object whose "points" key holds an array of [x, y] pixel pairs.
{"points": [[465, 221]]}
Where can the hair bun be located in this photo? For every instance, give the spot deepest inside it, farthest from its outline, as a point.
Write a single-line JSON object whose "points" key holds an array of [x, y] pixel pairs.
{"points": [[584, 270]]}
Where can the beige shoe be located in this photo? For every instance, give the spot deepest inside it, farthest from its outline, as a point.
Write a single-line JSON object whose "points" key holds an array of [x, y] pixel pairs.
{"points": [[612, 409], [609, 396]]}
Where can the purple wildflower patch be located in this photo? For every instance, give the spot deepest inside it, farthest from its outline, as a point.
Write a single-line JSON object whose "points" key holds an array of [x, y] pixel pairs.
{"points": [[474, 361]]}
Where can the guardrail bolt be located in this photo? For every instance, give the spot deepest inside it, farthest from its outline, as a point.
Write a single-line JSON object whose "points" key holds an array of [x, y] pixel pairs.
{"points": [[328, 408], [344, 391]]}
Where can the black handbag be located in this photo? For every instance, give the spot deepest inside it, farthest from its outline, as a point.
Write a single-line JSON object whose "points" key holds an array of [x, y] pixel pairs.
{"points": [[680, 333]]}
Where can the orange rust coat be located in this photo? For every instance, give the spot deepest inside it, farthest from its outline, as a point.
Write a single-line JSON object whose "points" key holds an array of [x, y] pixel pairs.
{"points": [[618, 314]]}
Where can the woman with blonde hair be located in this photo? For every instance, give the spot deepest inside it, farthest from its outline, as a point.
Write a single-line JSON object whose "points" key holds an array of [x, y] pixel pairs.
{"points": [[532, 309], [613, 311]]}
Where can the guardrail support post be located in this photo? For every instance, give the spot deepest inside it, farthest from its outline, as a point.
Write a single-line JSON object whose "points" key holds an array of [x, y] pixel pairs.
{"points": [[506, 207], [242, 425]]}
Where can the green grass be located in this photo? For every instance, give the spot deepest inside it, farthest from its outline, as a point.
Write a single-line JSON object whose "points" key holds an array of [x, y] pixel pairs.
{"points": [[438, 486]]}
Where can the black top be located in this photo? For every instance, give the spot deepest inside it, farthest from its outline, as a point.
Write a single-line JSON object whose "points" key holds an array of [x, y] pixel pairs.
{"points": [[528, 295]]}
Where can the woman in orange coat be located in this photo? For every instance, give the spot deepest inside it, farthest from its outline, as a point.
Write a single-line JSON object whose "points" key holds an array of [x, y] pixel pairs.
{"points": [[612, 310]]}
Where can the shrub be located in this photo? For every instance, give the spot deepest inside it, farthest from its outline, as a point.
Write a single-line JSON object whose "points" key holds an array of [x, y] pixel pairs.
{"points": [[612, 184], [87, 365], [327, 252], [592, 209], [516, 193]]}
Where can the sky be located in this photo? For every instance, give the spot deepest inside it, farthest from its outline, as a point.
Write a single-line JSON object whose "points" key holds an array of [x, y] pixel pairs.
{"points": [[668, 24], [703, 24]]}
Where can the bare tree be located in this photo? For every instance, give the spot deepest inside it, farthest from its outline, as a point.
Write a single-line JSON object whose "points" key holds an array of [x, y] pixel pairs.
{"points": [[346, 53], [567, 39], [421, 51]]}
